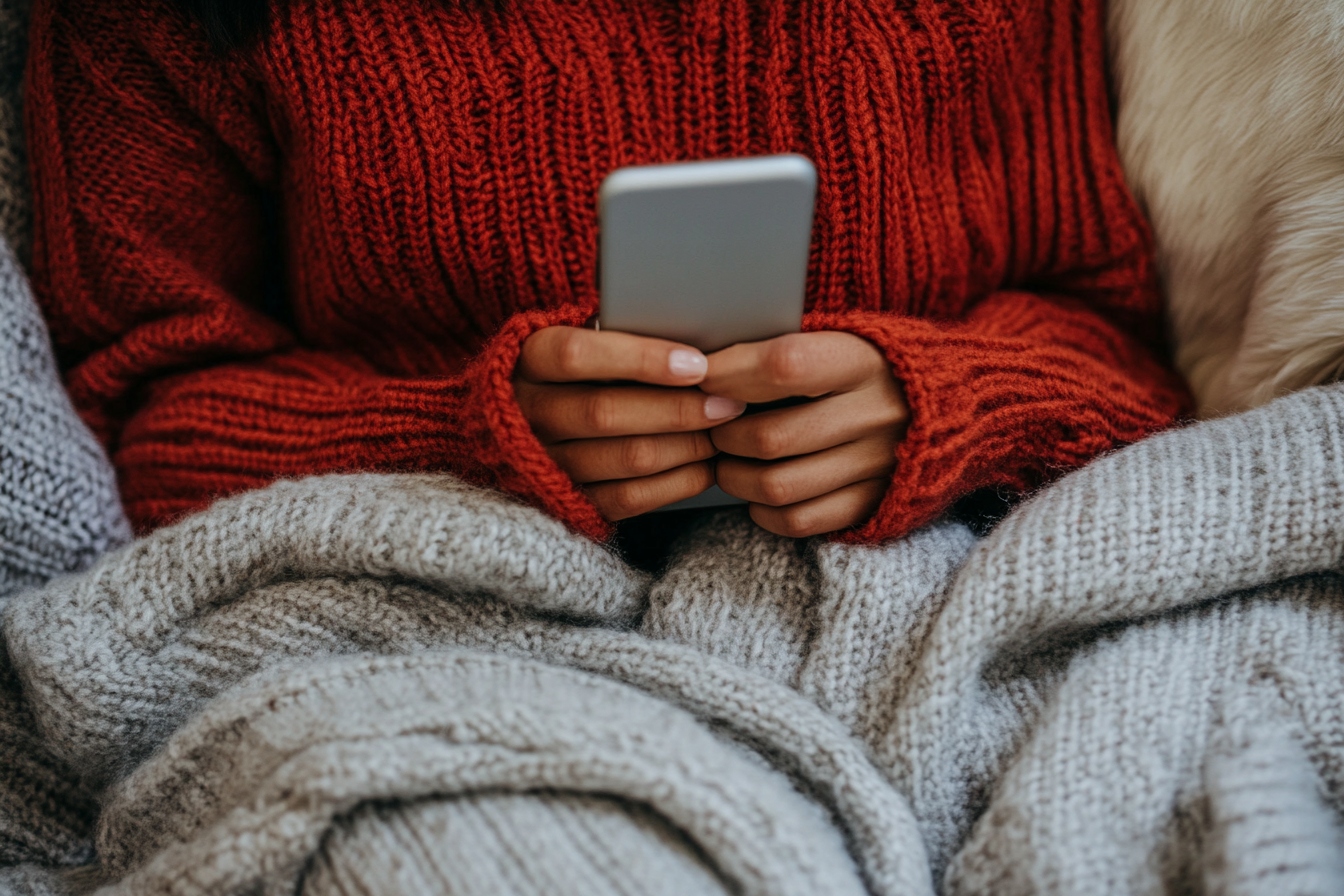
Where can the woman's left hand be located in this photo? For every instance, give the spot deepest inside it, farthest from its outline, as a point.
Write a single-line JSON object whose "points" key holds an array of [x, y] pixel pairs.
{"points": [[814, 467]]}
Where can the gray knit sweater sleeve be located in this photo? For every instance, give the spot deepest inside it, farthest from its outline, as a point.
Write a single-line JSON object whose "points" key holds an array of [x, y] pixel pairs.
{"points": [[59, 508]]}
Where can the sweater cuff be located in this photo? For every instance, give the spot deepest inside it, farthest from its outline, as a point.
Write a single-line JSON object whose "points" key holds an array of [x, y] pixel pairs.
{"points": [[1005, 411], [525, 468]]}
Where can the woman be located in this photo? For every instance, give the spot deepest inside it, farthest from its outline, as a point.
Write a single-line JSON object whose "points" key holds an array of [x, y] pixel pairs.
{"points": [[362, 235]]}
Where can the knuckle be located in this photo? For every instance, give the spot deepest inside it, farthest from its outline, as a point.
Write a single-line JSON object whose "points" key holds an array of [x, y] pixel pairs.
{"points": [[786, 361], [640, 456], [690, 412], [796, 523], [775, 487], [600, 411], [769, 440], [569, 352], [626, 499]]}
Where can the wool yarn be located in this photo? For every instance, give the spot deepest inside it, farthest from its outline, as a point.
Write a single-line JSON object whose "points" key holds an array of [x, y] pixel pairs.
{"points": [[273, 768], [1131, 685], [435, 167], [46, 816], [58, 511], [58, 496], [573, 845], [59, 507], [32, 880]]}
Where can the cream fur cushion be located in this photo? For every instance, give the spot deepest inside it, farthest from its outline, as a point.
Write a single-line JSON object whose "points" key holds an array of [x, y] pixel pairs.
{"points": [[1231, 129]]}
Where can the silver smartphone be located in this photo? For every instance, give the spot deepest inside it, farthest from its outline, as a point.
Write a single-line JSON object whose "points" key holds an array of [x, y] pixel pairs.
{"points": [[706, 253]]}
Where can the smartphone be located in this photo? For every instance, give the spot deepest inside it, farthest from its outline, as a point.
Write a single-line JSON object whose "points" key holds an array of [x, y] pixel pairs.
{"points": [[706, 253]]}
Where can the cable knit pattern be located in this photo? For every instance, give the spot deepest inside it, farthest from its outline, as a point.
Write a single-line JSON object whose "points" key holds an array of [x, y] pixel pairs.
{"points": [[430, 169], [1132, 685]]}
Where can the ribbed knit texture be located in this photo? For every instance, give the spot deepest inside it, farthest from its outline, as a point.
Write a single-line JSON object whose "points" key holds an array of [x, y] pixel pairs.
{"points": [[1131, 686], [509, 845], [430, 170], [1272, 832]]}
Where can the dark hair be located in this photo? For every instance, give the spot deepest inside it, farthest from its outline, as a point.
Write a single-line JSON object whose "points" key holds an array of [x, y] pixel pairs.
{"points": [[229, 24]]}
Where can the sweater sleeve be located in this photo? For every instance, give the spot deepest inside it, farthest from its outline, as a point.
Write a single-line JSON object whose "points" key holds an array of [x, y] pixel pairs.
{"points": [[1060, 358], [1024, 388], [152, 176]]}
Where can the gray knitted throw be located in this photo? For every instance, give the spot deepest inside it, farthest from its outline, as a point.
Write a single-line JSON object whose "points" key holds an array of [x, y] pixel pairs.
{"points": [[58, 512], [401, 684], [59, 508]]}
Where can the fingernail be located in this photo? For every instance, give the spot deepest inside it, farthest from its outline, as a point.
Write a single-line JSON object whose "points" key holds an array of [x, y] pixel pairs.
{"points": [[686, 363], [717, 407]]}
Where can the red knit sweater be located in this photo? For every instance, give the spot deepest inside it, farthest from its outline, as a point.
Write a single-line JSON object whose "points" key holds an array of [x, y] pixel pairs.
{"points": [[415, 180]]}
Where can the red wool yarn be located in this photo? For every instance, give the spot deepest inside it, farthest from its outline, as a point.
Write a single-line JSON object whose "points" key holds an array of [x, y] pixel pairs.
{"points": [[423, 174]]}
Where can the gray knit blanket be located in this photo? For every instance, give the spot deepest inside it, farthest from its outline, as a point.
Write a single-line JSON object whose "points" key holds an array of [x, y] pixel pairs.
{"points": [[403, 684], [58, 513]]}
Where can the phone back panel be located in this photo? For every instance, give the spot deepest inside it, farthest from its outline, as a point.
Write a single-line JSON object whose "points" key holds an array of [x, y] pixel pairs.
{"points": [[707, 253]]}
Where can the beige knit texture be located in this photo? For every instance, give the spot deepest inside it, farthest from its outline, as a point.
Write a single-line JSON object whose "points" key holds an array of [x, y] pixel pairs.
{"points": [[364, 684]]}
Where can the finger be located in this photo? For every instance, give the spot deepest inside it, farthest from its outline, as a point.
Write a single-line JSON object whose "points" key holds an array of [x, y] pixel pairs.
{"points": [[574, 354], [631, 457], [808, 428], [808, 364], [781, 483], [625, 498], [841, 509], [562, 412]]}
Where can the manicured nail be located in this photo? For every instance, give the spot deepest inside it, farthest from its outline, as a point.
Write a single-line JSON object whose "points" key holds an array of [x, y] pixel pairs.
{"points": [[718, 408], [687, 363]]}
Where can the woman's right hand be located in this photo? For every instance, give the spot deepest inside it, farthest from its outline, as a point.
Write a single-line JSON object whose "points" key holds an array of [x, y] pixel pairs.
{"points": [[621, 415]]}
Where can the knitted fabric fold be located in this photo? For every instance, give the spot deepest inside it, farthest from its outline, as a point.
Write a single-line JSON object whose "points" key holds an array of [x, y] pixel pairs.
{"points": [[1271, 828], [402, 566], [278, 763], [1130, 686], [46, 816], [501, 844], [59, 511]]}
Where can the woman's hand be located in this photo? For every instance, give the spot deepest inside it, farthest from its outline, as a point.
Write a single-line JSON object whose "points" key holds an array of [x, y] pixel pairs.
{"points": [[621, 415], [814, 467]]}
